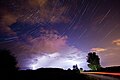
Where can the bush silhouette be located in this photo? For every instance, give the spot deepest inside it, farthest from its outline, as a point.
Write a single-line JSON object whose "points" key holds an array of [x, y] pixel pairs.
{"points": [[7, 61]]}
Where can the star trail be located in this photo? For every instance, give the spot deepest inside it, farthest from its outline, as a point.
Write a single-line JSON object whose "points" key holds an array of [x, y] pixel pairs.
{"points": [[60, 33]]}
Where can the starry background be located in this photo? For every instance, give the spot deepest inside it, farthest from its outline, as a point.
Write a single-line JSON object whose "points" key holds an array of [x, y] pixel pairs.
{"points": [[60, 33]]}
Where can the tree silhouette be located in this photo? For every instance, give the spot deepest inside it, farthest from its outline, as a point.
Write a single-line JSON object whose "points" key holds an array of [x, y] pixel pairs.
{"points": [[94, 61], [7, 61]]}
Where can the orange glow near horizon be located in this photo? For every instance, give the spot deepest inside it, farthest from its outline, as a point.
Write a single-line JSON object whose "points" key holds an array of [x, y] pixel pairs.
{"points": [[105, 73]]}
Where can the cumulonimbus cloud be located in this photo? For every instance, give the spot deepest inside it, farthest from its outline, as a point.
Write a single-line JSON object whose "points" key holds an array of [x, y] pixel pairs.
{"points": [[49, 42], [50, 49]]}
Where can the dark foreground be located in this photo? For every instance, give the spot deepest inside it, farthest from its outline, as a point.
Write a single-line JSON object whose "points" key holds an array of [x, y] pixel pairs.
{"points": [[54, 74], [44, 74]]}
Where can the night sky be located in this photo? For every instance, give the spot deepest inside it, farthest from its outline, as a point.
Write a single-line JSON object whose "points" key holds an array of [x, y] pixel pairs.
{"points": [[60, 33]]}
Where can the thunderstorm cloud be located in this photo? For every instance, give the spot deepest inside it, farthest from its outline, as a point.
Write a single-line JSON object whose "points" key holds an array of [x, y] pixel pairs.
{"points": [[60, 33]]}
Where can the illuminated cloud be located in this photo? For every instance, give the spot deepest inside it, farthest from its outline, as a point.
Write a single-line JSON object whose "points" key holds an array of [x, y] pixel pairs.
{"points": [[48, 42], [98, 49], [48, 50], [116, 42], [64, 59]]}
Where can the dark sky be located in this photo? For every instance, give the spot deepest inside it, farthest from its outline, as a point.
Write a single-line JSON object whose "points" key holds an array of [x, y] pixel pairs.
{"points": [[60, 33]]}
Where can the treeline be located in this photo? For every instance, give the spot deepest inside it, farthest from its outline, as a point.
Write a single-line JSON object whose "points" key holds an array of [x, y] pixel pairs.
{"points": [[9, 71]]}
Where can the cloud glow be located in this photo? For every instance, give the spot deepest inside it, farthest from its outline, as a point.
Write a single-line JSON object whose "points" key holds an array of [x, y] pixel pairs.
{"points": [[55, 60], [117, 42], [98, 49]]}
